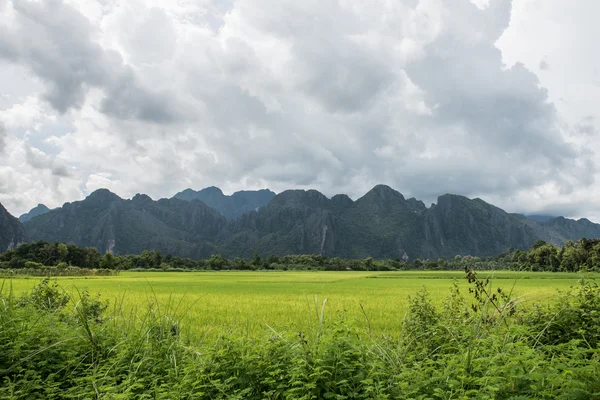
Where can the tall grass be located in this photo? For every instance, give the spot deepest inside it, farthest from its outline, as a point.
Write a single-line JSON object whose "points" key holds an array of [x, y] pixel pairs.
{"points": [[481, 343]]}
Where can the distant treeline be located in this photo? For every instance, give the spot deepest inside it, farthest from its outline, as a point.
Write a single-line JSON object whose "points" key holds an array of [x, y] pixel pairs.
{"points": [[582, 255], [574, 256]]}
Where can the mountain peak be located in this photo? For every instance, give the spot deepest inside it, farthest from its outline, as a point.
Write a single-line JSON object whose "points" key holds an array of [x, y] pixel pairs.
{"points": [[342, 200], [258, 192], [102, 196], [385, 193], [212, 190], [450, 196], [449, 199], [301, 196], [140, 197], [40, 209], [187, 191]]}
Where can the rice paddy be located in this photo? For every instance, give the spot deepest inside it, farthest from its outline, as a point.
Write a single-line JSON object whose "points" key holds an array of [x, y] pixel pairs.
{"points": [[209, 303]]}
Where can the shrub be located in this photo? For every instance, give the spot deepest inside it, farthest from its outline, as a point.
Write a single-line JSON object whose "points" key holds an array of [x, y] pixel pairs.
{"points": [[574, 316], [47, 296]]}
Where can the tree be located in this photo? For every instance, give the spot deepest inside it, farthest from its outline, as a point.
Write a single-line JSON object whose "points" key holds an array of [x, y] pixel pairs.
{"points": [[272, 259], [368, 264], [107, 261], [256, 261], [538, 243], [572, 258], [63, 252], [216, 262], [92, 258]]}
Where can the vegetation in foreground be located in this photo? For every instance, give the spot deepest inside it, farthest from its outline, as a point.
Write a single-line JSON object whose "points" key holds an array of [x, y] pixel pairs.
{"points": [[480, 344], [43, 258]]}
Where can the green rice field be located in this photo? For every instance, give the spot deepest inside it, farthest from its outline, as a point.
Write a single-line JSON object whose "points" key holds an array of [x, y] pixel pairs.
{"points": [[207, 303]]}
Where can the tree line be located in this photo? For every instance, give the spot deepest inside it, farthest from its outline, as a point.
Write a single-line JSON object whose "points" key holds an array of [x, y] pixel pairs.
{"points": [[581, 255]]}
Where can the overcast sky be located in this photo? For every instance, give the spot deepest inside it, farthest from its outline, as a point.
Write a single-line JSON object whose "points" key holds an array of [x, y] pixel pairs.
{"points": [[492, 99]]}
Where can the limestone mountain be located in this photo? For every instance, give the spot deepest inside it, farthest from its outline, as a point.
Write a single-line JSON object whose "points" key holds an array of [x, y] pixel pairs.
{"points": [[40, 209], [559, 230], [109, 223], [295, 221], [11, 231], [231, 207], [458, 225], [383, 224], [380, 224]]}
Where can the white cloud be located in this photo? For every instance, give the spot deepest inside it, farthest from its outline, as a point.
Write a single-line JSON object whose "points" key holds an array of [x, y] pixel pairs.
{"points": [[151, 96]]}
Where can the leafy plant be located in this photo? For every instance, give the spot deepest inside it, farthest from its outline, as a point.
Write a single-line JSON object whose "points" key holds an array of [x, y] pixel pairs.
{"points": [[47, 295]]}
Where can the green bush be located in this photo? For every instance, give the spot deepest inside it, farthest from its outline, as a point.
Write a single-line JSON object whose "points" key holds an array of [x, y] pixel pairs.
{"points": [[47, 296], [575, 316]]}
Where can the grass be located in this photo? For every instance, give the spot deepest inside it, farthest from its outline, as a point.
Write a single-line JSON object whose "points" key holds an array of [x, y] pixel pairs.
{"points": [[251, 302], [476, 345]]}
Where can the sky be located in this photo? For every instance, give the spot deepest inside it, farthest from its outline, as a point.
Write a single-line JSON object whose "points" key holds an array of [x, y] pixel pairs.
{"points": [[495, 99]]}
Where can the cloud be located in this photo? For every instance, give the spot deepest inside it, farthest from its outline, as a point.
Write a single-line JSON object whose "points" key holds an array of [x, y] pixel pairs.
{"points": [[29, 176], [492, 115], [39, 160], [56, 42], [2, 137], [587, 127], [156, 96]]}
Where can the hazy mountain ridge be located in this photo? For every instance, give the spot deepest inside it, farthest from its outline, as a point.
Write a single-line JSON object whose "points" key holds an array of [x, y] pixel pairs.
{"points": [[380, 224], [540, 218], [38, 210], [231, 207]]}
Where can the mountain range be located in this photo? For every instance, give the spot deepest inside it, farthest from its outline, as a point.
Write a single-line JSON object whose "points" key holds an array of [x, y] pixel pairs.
{"points": [[380, 224]]}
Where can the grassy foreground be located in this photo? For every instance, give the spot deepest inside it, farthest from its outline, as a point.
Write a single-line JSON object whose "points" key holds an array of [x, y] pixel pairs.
{"points": [[473, 339], [208, 303]]}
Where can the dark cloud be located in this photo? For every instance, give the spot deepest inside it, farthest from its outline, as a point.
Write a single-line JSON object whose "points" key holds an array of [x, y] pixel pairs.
{"points": [[126, 100], [41, 161], [61, 171]]}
